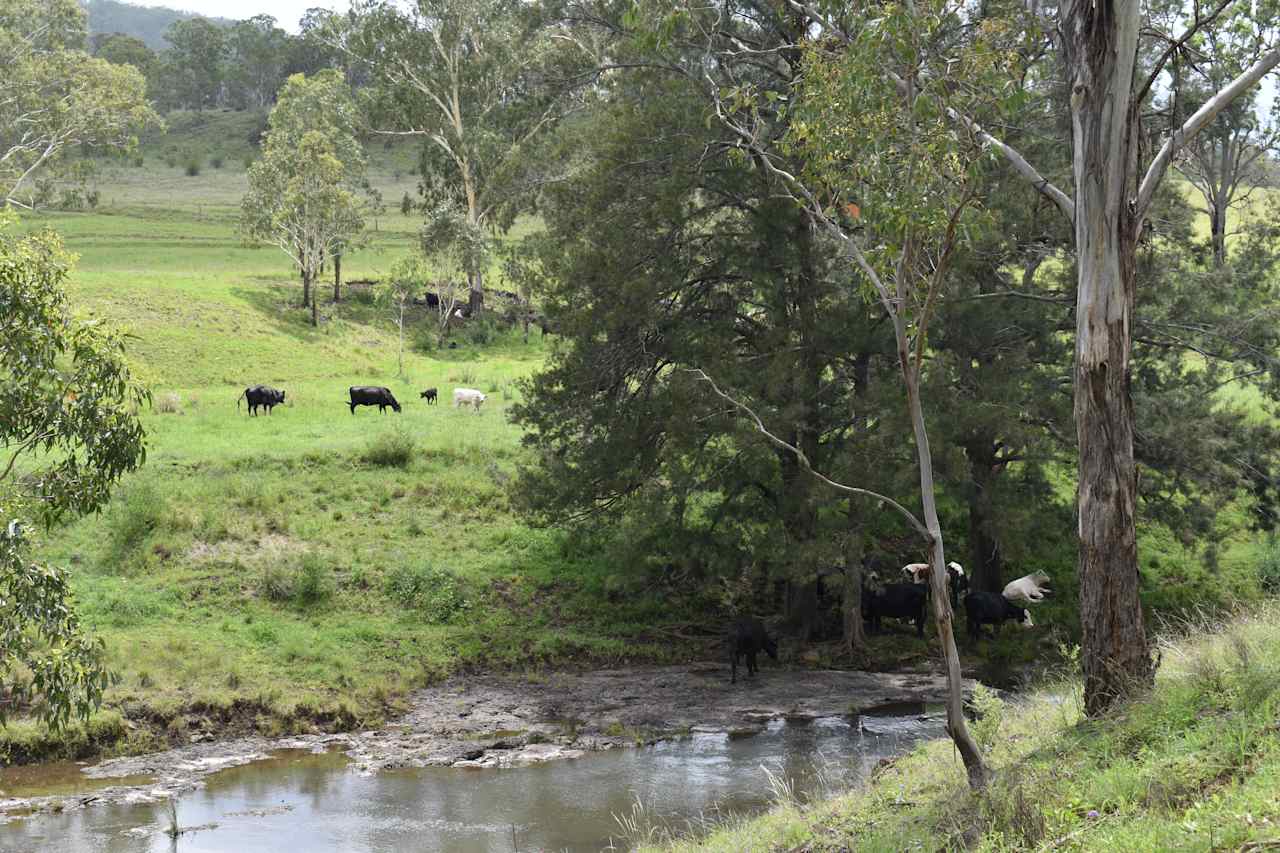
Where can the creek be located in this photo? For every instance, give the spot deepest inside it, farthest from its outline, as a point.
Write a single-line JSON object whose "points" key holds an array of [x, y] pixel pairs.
{"points": [[314, 801]]}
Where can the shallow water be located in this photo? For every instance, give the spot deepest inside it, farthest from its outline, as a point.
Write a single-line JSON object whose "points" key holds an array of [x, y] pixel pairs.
{"points": [[308, 803]]}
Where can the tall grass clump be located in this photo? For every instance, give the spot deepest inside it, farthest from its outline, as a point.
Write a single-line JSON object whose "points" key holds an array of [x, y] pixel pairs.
{"points": [[311, 584], [433, 592], [133, 516], [392, 449]]}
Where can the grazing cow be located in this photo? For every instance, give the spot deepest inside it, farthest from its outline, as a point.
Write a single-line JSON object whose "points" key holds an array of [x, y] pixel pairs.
{"points": [[468, 397], [988, 608], [260, 395], [1028, 589], [748, 638], [371, 395], [898, 601], [429, 395]]}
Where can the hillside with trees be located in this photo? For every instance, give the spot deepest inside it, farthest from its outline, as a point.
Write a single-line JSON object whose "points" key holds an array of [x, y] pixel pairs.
{"points": [[148, 24], [816, 295]]}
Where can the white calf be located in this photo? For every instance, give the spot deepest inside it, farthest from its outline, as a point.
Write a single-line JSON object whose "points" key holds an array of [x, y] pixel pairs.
{"points": [[467, 397], [1029, 588]]}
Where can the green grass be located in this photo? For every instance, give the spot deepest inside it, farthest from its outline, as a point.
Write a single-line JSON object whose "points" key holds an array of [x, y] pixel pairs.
{"points": [[303, 569], [1193, 766]]}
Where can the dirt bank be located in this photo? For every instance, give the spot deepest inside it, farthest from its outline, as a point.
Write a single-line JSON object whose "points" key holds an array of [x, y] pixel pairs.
{"points": [[504, 721]]}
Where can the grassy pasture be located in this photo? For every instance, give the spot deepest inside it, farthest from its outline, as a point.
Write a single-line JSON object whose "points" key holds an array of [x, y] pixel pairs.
{"points": [[308, 567]]}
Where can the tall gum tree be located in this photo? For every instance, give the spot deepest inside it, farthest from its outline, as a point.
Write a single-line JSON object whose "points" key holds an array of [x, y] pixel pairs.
{"points": [[1097, 42], [308, 192]]}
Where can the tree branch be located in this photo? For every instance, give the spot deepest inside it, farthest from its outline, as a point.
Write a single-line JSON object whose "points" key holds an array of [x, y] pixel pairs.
{"points": [[1195, 124], [915, 523]]}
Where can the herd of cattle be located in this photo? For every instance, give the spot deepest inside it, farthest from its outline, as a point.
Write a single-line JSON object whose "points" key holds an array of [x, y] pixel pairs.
{"points": [[359, 395], [908, 600]]}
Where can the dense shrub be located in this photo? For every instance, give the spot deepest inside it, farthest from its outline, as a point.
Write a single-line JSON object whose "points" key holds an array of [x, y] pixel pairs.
{"points": [[193, 167], [434, 592], [391, 449]]}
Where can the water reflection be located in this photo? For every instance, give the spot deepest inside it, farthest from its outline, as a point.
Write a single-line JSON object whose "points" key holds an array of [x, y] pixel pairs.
{"points": [[302, 802]]}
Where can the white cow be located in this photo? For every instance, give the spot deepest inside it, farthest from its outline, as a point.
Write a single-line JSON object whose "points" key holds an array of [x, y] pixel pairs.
{"points": [[1028, 589], [467, 397], [916, 572], [919, 572]]}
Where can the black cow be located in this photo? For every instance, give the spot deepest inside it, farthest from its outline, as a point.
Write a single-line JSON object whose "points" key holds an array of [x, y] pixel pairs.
{"points": [[897, 601], [992, 608], [260, 395], [370, 395], [747, 637], [429, 395]]}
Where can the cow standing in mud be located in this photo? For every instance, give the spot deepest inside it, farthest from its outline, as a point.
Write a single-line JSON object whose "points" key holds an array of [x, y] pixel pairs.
{"points": [[748, 638]]}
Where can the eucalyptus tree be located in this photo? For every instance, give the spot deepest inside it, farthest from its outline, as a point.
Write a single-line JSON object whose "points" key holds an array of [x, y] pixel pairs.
{"points": [[54, 97], [308, 192], [463, 75], [257, 51], [195, 65], [1114, 186], [69, 430]]}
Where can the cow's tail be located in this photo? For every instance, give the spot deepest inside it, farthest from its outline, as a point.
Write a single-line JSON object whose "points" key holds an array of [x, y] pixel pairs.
{"points": [[244, 395]]}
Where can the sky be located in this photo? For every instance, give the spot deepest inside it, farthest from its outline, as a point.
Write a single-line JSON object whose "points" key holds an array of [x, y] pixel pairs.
{"points": [[286, 12]]}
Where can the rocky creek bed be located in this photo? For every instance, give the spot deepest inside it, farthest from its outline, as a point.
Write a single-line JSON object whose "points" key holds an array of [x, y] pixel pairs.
{"points": [[509, 721]]}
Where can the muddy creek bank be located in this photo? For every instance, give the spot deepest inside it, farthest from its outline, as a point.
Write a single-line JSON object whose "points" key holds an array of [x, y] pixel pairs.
{"points": [[501, 721]]}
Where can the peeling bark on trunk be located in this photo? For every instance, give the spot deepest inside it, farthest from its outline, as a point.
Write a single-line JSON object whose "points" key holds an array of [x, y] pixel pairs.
{"points": [[1101, 39], [475, 299], [315, 302]]}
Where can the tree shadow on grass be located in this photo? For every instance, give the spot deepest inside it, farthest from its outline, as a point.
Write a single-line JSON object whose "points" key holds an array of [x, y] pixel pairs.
{"points": [[281, 306]]}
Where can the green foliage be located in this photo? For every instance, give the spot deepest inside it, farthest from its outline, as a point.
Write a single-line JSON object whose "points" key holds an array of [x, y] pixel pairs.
{"points": [[69, 394], [312, 584], [434, 593], [69, 410], [989, 709], [1269, 568], [54, 96], [192, 168], [46, 658]]}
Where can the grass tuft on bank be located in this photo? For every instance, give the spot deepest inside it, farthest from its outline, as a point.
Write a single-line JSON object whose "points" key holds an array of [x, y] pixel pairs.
{"points": [[1195, 765]]}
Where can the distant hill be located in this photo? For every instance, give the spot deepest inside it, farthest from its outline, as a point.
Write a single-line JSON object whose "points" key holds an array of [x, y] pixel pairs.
{"points": [[145, 22]]}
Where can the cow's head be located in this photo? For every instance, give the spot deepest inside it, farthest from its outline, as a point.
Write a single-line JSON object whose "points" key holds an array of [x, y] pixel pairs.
{"points": [[771, 647]]}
